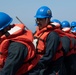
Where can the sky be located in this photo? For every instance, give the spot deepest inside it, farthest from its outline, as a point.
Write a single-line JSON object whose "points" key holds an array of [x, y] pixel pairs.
{"points": [[25, 10]]}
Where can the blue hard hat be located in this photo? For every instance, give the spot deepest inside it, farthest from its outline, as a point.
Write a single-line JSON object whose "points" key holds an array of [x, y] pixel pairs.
{"points": [[65, 24], [73, 30], [56, 20], [5, 20], [43, 12], [73, 24]]}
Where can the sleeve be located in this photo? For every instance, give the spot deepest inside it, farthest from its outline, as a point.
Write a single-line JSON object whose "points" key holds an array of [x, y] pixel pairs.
{"points": [[66, 46], [73, 41], [16, 55], [52, 43]]}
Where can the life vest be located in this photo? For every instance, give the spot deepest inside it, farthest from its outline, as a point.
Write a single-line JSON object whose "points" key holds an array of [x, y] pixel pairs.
{"points": [[74, 34], [18, 34], [73, 43], [72, 47], [40, 44], [66, 33]]}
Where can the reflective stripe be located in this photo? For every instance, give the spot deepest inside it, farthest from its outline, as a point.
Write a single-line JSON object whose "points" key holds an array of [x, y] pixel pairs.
{"points": [[35, 42], [14, 29]]}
